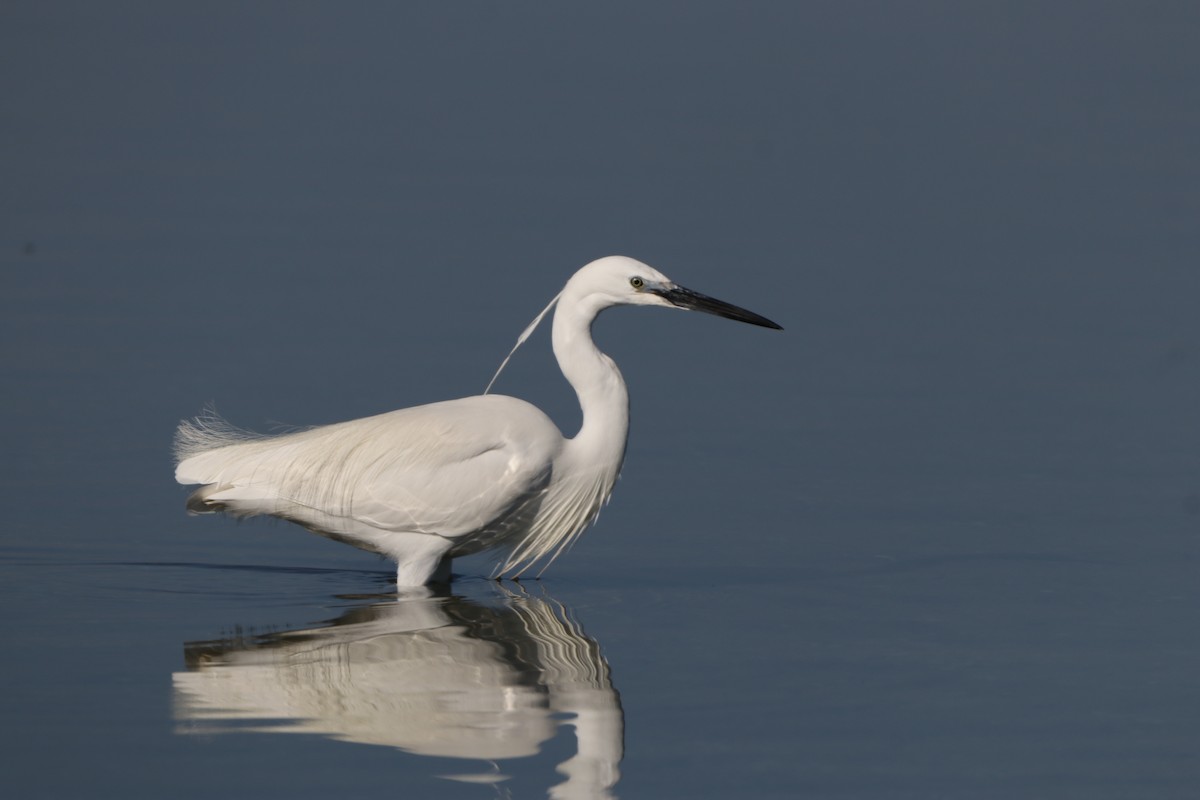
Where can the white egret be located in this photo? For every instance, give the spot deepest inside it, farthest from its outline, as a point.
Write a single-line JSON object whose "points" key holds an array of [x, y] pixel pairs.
{"points": [[427, 484]]}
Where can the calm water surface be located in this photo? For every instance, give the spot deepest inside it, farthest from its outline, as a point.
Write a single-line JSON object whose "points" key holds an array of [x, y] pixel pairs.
{"points": [[939, 538]]}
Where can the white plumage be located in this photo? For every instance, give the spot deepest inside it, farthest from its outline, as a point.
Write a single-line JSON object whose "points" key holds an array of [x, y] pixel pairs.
{"points": [[427, 484]]}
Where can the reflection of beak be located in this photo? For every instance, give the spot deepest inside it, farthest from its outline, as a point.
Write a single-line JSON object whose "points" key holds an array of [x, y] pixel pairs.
{"points": [[694, 301]]}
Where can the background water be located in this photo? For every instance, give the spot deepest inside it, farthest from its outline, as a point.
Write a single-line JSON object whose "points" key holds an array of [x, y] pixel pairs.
{"points": [[939, 538]]}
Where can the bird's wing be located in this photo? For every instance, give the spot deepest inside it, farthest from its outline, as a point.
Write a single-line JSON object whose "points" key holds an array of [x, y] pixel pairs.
{"points": [[460, 470], [446, 468]]}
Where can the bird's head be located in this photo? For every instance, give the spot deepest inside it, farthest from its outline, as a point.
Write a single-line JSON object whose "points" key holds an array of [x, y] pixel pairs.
{"points": [[618, 280]]}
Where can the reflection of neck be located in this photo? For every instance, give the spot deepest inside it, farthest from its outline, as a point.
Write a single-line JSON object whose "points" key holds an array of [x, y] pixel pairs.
{"points": [[599, 737]]}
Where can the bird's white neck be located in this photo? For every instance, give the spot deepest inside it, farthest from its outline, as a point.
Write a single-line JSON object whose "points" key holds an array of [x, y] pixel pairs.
{"points": [[596, 380]]}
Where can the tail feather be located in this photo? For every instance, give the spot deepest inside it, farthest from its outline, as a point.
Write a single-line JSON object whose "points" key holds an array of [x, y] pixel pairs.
{"points": [[197, 462], [208, 431], [198, 502], [238, 471], [220, 498]]}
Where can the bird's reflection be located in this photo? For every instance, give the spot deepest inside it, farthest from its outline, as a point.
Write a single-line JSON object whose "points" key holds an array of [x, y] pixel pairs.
{"points": [[434, 675]]}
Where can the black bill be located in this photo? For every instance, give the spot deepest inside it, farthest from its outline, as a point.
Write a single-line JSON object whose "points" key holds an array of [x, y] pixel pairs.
{"points": [[694, 301]]}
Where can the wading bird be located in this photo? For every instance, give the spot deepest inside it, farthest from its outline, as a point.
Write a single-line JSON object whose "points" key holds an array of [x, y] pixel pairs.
{"points": [[427, 484]]}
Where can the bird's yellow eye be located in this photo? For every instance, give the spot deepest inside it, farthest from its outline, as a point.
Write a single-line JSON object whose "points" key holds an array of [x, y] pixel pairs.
{"points": [[636, 282]]}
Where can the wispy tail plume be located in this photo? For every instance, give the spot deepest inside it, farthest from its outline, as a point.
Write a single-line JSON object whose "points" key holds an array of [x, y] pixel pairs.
{"points": [[207, 431]]}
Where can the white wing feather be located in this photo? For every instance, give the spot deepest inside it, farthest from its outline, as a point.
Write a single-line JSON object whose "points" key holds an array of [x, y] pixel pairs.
{"points": [[450, 469]]}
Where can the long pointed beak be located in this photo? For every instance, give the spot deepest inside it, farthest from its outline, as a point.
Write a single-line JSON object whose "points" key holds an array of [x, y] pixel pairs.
{"points": [[694, 301]]}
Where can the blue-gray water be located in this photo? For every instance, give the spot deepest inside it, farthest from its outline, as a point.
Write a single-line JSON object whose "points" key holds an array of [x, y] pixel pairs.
{"points": [[939, 538]]}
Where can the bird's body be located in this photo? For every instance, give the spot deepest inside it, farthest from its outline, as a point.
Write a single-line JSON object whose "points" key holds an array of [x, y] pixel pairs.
{"points": [[426, 484]]}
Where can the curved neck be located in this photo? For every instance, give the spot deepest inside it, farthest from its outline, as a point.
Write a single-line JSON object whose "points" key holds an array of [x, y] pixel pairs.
{"points": [[597, 381]]}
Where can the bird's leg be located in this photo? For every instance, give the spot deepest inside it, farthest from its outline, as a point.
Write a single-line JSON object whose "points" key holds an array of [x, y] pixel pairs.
{"points": [[422, 560]]}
